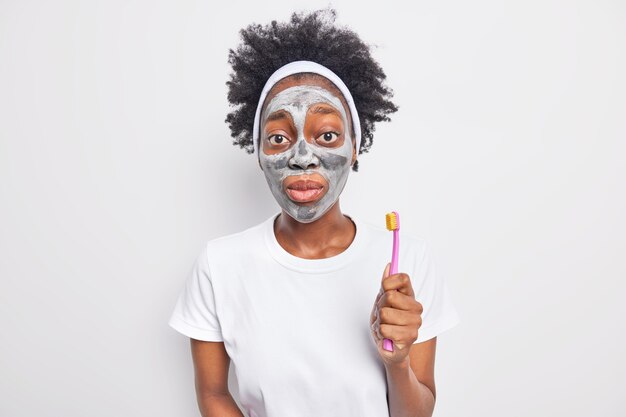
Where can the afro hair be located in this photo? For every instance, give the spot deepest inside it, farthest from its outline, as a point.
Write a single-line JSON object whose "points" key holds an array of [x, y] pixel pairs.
{"points": [[312, 37]]}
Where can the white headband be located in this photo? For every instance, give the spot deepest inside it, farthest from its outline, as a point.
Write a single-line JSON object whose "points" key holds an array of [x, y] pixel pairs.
{"points": [[306, 66]]}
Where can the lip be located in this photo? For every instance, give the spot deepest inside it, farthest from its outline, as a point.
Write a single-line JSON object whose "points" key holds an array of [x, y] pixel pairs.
{"points": [[304, 190]]}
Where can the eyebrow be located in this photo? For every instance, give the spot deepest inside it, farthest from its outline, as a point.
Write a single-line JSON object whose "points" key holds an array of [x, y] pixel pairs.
{"points": [[278, 115], [324, 110]]}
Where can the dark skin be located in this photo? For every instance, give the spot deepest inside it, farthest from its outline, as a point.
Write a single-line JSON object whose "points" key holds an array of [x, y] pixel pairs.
{"points": [[333, 232], [395, 313]]}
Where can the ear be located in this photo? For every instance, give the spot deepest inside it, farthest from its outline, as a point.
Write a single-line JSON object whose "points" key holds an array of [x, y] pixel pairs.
{"points": [[354, 155]]}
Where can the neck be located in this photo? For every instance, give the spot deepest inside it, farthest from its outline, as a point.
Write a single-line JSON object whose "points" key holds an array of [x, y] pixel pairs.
{"points": [[327, 236]]}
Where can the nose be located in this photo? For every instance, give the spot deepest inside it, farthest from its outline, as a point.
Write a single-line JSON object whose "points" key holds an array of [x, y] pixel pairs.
{"points": [[303, 157]]}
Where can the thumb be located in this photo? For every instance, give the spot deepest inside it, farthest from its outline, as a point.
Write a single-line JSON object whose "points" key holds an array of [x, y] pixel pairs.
{"points": [[386, 273]]}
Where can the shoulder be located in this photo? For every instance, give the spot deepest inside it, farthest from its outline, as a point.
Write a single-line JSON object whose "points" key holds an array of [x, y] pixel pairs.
{"points": [[228, 253], [227, 245]]}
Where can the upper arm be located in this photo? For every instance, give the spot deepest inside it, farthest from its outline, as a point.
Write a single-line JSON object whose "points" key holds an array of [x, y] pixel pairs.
{"points": [[211, 363], [422, 357]]}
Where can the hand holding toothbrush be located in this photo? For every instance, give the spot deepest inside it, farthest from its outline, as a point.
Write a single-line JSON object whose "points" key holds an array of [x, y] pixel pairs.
{"points": [[396, 315]]}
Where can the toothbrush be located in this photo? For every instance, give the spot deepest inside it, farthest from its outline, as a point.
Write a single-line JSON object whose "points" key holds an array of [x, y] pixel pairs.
{"points": [[393, 223]]}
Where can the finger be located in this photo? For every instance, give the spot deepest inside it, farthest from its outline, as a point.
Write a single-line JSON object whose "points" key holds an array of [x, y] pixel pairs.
{"points": [[397, 317], [374, 327], [400, 282], [401, 335], [377, 328], [386, 271], [373, 312], [396, 299]]}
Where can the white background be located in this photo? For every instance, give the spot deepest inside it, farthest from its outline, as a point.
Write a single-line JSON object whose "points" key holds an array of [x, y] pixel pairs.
{"points": [[116, 166]]}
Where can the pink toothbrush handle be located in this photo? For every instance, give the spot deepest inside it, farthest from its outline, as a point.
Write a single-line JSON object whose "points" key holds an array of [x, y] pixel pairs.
{"points": [[388, 343]]}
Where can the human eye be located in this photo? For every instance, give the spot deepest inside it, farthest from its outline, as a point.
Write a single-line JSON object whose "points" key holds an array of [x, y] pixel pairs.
{"points": [[328, 138], [278, 140]]}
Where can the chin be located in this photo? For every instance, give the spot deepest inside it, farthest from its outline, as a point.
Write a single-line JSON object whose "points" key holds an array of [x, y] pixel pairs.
{"points": [[307, 213]]}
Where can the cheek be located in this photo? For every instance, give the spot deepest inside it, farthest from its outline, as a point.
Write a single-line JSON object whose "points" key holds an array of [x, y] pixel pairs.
{"points": [[275, 165], [333, 162], [338, 160]]}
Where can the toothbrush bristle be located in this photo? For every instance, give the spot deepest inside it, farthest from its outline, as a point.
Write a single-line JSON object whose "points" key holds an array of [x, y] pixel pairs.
{"points": [[392, 221]]}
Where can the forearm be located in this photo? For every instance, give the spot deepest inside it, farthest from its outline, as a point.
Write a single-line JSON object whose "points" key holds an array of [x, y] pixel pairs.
{"points": [[218, 406], [408, 397]]}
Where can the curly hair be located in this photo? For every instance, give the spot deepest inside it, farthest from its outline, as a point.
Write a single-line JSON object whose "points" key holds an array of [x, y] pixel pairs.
{"points": [[312, 37]]}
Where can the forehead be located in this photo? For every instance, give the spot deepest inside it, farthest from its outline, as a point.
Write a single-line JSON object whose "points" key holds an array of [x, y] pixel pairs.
{"points": [[301, 98], [303, 90]]}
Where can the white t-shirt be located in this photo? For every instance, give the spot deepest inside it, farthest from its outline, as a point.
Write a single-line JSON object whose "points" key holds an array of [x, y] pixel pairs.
{"points": [[297, 330]]}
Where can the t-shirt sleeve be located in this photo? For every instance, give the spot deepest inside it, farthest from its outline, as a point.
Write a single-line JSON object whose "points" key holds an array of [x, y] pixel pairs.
{"points": [[431, 291], [194, 314]]}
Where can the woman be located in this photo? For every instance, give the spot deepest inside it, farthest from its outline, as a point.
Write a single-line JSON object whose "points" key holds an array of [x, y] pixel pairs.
{"points": [[294, 302]]}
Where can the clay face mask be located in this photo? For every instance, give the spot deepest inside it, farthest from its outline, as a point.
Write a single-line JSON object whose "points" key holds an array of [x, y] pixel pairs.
{"points": [[302, 159]]}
